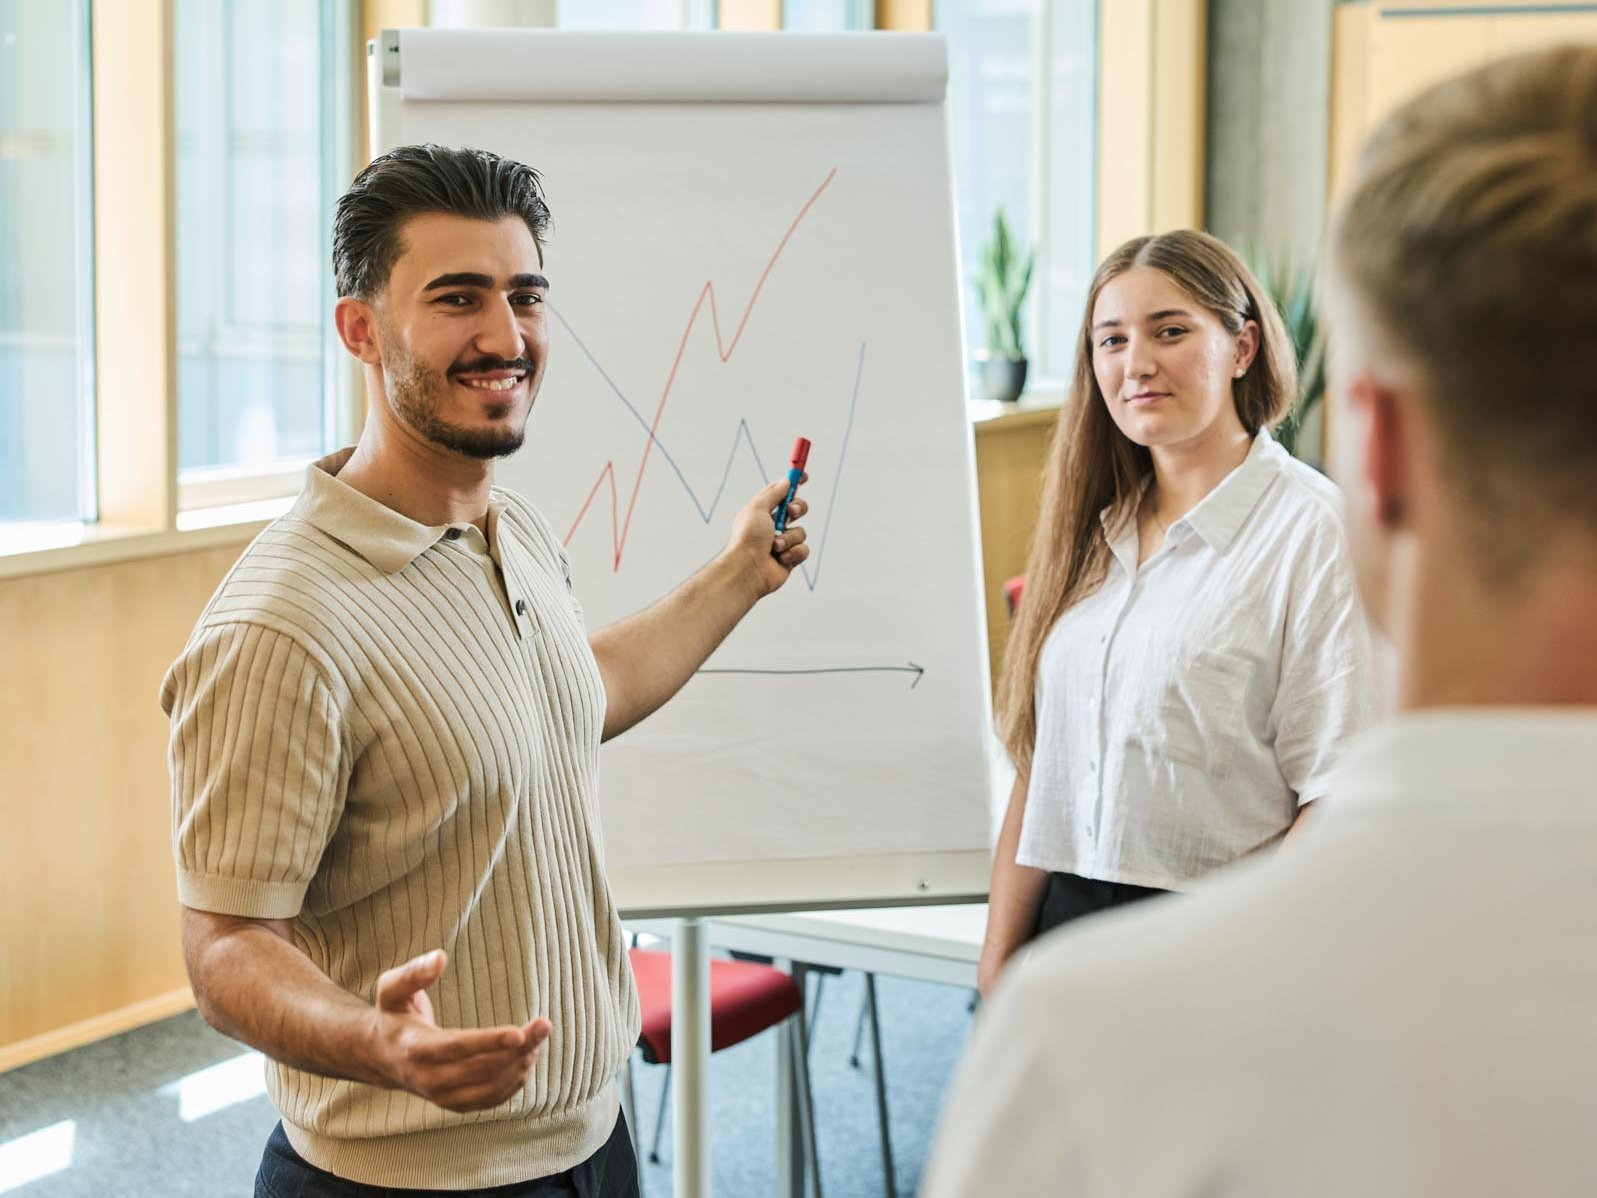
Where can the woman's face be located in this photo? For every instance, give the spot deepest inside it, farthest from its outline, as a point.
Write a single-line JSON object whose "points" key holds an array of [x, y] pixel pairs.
{"points": [[1164, 362]]}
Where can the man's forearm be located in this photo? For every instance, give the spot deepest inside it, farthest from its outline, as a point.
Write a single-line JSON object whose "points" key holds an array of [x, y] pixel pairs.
{"points": [[647, 658], [254, 985]]}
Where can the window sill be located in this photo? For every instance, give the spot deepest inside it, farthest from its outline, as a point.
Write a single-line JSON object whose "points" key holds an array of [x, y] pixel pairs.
{"points": [[75, 546], [1034, 407]]}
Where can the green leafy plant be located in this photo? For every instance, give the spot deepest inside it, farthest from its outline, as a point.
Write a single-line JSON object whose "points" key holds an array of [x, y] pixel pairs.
{"points": [[1292, 291], [1002, 280]]}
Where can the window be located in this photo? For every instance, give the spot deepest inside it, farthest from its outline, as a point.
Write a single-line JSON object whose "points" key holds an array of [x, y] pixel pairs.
{"points": [[46, 295], [261, 100], [829, 16], [1023, 103], [632, 14]]}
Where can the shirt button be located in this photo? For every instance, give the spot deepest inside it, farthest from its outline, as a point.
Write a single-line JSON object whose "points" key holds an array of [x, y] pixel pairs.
{"points": [[1103, 638], [1092, 767], [452, 534], [521, 607]]}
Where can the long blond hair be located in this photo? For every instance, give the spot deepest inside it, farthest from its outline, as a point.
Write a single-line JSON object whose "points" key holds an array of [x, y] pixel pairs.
{"points": [[1094, 467]]}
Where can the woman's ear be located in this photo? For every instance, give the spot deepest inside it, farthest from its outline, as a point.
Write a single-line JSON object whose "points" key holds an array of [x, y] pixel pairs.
{"points": [[1247, 348]]}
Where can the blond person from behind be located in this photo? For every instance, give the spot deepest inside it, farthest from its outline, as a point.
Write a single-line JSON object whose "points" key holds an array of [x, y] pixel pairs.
{"points": [[1401, 1001], [1191, 655]]}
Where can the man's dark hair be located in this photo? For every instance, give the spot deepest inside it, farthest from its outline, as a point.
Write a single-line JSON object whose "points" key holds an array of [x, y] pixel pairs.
{"points": [[412, 180]]}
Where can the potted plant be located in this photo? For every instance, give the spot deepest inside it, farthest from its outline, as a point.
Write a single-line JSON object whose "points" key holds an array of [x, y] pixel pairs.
{"points": [[1002, 280], [1302, 432]]}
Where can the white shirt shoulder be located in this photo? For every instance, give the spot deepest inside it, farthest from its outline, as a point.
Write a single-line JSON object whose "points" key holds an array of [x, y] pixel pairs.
{"points": [[1396, 1003]]}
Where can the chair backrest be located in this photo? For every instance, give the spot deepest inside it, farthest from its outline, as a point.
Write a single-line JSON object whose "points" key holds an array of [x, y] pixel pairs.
{"points": [[1012, 590]]}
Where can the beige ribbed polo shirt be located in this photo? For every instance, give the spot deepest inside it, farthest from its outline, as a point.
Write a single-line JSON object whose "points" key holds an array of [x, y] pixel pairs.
{"points": [[388, 733]]}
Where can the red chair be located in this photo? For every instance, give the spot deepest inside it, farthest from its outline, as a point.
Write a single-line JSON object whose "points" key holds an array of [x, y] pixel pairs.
{"points": [[745, 999], [1012, 590]]}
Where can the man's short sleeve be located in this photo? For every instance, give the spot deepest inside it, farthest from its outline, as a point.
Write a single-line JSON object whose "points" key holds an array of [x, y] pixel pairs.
{"points": [[258, 770]]}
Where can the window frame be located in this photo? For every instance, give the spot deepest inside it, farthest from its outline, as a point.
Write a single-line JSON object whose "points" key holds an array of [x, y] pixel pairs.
{"points": [[203, 488], [142, 509], [132, 312], [1049, 378], [86, 500]]}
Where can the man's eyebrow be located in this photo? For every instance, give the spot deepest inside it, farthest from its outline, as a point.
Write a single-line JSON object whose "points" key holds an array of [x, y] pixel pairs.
{"points": [[465, 278], [459, 278]]}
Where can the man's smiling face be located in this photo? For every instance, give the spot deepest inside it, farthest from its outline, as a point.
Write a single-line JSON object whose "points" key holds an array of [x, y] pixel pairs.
{"points": [[462, 333]]}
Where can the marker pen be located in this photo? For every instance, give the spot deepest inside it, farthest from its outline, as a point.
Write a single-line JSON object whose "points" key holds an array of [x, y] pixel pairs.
{"points": [[801, 454]]}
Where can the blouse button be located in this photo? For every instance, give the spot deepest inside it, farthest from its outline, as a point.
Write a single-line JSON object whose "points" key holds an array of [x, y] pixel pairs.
{"points": [[452, 534], [521, 607]]}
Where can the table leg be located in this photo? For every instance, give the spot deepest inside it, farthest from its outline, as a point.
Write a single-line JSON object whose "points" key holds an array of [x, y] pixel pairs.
{"points": [[806, 1101], [789, 1150], [690, 1060]]}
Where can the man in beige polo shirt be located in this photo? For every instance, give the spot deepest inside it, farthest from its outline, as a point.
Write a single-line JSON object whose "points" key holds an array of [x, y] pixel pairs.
{"points": [[385, 735]]}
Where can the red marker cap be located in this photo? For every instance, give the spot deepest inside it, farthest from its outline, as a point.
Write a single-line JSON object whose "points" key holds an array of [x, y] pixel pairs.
{"points": [[801, 453]]}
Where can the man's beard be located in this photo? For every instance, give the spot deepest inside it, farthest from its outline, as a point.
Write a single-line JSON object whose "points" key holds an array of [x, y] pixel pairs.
{"points": [[416, 394]]}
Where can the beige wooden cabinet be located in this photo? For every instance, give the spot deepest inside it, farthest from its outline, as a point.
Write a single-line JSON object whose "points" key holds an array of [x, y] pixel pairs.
{"points": [[1011, 448]]}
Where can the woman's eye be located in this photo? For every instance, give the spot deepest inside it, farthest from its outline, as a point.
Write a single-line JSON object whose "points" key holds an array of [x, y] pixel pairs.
{"points": [[1171, 330], [1111, 341]]}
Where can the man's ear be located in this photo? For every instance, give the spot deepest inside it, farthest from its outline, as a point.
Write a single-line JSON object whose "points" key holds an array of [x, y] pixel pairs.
{"points": [[1388, 448], [357, 329]]}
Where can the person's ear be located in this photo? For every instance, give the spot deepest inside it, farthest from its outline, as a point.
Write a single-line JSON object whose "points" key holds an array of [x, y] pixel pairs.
{"points": [[1387, 449], [1247, 348], [357, 329]]}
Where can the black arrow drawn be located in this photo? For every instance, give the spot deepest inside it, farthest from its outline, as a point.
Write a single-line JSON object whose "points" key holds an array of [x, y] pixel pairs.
{"points": [[911, 668]]}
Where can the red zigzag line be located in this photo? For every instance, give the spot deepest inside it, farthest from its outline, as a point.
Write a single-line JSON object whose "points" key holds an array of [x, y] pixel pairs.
{"points": [[618, 535]]}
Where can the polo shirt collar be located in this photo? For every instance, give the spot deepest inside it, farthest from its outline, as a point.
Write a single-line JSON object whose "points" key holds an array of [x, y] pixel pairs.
{"points": [[1496, 757], [385, 538]]}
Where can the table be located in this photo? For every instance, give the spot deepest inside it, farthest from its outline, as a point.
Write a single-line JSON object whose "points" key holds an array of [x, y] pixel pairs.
{"points": [[933, 943], [929, 944]]}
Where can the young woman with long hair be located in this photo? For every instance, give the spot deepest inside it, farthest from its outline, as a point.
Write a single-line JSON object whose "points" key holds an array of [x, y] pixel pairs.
{"points": [[1189, 653]]}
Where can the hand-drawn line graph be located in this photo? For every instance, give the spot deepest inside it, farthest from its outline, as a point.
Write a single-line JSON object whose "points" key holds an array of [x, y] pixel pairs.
{"points": [[620, 529]]}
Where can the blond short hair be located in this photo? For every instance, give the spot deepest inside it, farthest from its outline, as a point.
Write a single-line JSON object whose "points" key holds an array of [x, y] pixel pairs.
{"points": [[1470, 236]]}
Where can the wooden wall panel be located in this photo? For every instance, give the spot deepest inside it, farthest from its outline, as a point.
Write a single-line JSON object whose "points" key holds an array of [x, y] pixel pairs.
{"points": [[88, 906], [1386, 53], [1010, 453]]}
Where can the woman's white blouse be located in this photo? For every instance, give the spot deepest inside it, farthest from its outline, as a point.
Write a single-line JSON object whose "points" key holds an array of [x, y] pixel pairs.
{"points": [[1186, 710]]}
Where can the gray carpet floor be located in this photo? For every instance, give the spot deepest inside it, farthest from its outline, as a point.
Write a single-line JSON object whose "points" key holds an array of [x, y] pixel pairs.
{"points": [[118, 1106]]}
